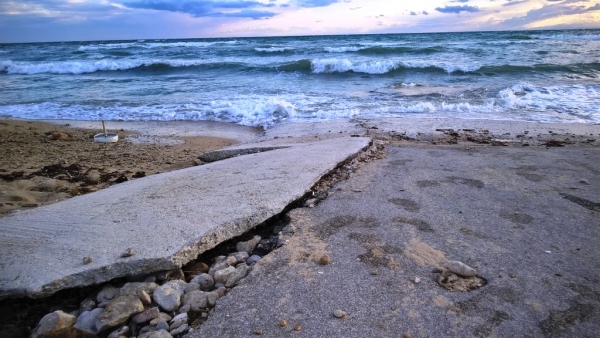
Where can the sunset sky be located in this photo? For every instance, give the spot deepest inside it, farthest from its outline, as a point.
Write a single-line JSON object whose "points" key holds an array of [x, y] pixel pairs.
{"points": [[67, 20]]}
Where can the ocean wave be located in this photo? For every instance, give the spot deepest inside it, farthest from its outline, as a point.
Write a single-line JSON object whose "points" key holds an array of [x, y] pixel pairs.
{"points": [[262, 112], [383, 66], [571, 37], [150, 45], [273, 49], [343, 49], [384, 50]]}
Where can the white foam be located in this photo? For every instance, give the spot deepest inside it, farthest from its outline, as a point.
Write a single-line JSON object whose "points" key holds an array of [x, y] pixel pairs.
{"points": [[571, 37], [343, 49], [149, 45], [273, 49], [335, 65], [75, 67]]}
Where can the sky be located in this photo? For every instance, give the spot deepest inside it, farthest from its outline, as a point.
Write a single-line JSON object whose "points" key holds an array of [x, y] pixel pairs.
{"points": [[82, 20]]}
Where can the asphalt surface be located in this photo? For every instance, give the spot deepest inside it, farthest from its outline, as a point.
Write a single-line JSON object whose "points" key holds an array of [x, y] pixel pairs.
{"points": [[526, 218]]}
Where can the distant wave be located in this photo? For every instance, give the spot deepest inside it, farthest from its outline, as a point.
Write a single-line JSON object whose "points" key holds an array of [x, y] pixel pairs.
{"points": [[147, 45], [383, 66], [383, 50], [273, 49], [571, 37]]}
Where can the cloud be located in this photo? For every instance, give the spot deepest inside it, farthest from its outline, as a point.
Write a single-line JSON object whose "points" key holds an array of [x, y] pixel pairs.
{"points": [[514, 2], [207, 8], [315, 3], [458, 9], [550, 12]]}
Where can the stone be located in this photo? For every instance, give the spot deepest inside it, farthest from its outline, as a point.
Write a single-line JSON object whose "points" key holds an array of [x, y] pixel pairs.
{"points": [[191, 286], [417, 280], [222, 264], [212, 298], [339, 314], [168, 295], [240, 257], [248, 246], [118, 311], [179, 320], [241, 270], [184, 309], [107, 294], [146, 329], [87, 320], [103, 304], [162, 325], [584, 181], [205, 281], [161, 316], [253, 260], [156, 334], [221, 291], [87, 304], [460, 268], [123, 331], [222, 275], [68, 332], [179, 330], [324, 260], [130, 289], [145, 316], [52, 322], [144, 297], [283, 323], [197, 300], [219, 285]]}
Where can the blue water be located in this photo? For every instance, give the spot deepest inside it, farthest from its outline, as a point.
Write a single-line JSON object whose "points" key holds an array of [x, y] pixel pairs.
{"points": [[550, 76]]}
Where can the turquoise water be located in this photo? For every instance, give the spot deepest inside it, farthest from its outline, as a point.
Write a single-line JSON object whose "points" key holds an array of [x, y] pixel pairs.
{"points": [[550, 76]]}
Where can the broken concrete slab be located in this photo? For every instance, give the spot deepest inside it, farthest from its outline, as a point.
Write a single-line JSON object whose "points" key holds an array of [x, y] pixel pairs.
{"points": [[223, 154], [168, 219]]}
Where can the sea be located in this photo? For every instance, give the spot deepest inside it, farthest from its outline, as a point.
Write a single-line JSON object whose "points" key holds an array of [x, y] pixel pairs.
{"points": [[545, 76]]}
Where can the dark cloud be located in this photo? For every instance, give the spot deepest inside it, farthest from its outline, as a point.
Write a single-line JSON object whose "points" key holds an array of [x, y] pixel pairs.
{"points": [[207, 8], [458, 9], [413, 13], [425, 13], [315, 3]]}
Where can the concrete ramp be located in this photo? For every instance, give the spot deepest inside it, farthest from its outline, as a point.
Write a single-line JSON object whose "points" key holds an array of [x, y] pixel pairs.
{"points": [[168, 218]]}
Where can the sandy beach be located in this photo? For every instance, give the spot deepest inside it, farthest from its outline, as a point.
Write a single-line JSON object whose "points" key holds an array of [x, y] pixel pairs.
{"points": [[43, 162]]}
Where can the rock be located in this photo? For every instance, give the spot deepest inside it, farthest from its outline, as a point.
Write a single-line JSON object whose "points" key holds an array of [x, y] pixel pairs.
{"points": [[146, 329], [222, 275], [145, 316], [122, 332], [144, 297], [297, 327], [107, 294], [69, 332], [156, 334], [197, 300], [240, 272], [131, 289], [205, 281], [179, 330], [162, 316], [339, 314], [584, 181], [212, 298], [87, 320], [253, 260], [191, 286], [240, 257], [162, 325], [282, 323], [128, 253], [258, 332], [103, 304], [168, 295], [87, 304], [417, 280], [179, 320], [221, 291], [222, 264], [52, 322], [118, 311], [184, 309], [324, 260], [219, 285], [248, 246], [460, 268]]}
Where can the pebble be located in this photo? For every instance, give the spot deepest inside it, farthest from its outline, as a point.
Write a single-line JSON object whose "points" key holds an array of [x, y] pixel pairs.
{"points": [[339, 314], [248, 246], [178, 321], [324, 260], [145, 316], [205, 281], [417, 280], [460, 268], [297, 327], [240, 256], [122, 332], [179, 330], [168, 295], [87, 304], [253, 260], [162, 325], [87, 320], [282, 323], [144, 297], [584, 181], [107, 294], [129, 252], [53, 321], [119, 310], [87, 260], [161, 317], [257, 332]]}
